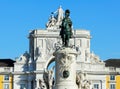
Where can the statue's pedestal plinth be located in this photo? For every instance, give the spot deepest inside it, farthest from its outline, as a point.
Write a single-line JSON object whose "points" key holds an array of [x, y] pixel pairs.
{"points": [[65, 74]]}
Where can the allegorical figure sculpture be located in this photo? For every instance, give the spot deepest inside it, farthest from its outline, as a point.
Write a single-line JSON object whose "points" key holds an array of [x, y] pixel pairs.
{"points": [[49, 78], [59, 16], [55, 19], [66, 29]]}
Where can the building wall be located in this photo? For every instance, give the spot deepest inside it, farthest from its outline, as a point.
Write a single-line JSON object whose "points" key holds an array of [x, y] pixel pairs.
{"points": [[2, 81], [11, 81], [116, 81], [107, 81]]}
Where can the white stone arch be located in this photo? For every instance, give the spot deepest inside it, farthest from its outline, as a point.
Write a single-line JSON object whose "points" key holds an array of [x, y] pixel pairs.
{"points": [[48, 74], [49, 61]]}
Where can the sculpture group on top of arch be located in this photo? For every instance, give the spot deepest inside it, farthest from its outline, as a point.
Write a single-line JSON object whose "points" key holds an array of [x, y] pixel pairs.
{"points": [[55, 19]]}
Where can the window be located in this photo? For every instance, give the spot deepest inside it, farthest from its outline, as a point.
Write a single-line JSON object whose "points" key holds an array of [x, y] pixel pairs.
{"points": [[112, 86], [6, 77], [112, 68], [22, 86], [7, 69], [6, 86], [96, 86], [32, 87], [112, 77]]}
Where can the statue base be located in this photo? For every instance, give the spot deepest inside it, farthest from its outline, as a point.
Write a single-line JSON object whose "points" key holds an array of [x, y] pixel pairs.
{"points": [[66, 86], [65, 68]]}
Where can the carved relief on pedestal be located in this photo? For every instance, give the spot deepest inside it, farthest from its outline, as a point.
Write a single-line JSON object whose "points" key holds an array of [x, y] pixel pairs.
{"points": [[57, 45], [65, 64]]}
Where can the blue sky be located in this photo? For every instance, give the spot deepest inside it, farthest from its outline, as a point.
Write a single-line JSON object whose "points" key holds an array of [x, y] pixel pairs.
{"points": [[101, 17]]}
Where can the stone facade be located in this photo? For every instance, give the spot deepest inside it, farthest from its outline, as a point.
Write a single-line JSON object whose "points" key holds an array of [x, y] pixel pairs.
{"points": [[29, 68]]}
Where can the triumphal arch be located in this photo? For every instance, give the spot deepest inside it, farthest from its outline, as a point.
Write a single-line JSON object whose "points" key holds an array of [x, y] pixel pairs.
{"points": [[32, 70]]}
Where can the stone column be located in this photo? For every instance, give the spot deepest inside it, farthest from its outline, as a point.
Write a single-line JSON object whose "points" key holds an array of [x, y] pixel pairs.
{"points": [[37, 84], [65, 67]]}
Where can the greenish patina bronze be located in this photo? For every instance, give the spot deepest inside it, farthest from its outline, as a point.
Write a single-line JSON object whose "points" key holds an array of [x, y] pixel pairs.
{"points": [[66, 74], [66, 29]]}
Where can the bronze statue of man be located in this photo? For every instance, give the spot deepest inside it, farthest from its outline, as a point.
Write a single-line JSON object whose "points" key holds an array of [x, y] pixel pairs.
{"points": [[66, 29]]}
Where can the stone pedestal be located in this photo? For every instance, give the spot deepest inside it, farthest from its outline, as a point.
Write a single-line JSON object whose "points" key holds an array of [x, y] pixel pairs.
{"points": [[65, 73]]}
